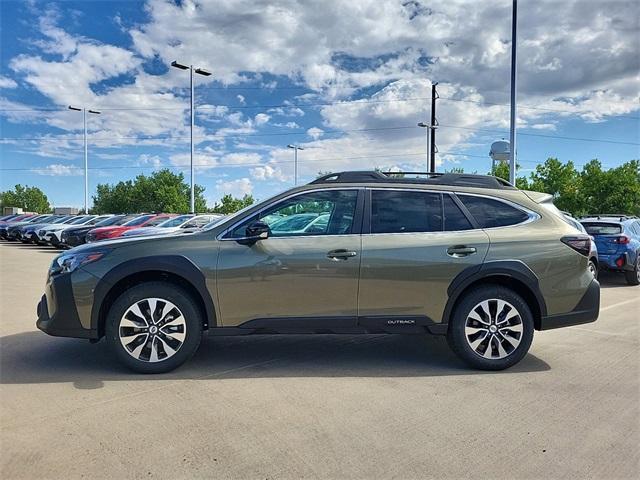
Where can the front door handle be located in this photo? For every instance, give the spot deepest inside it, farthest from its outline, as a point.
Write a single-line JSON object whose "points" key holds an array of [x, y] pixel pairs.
{"points": [[458, 251], [341, 254]]}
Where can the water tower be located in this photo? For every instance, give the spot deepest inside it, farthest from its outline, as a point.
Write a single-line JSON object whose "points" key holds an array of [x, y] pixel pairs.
{"points": [[499, 152]]}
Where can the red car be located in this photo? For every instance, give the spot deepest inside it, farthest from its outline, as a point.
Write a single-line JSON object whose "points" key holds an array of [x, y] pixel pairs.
{"points": [[115, 231]]}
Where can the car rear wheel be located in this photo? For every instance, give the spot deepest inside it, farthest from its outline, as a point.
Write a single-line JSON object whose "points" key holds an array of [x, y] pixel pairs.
{"points": [[593, 268], [154, 327], [633, 276], [492, 328]]}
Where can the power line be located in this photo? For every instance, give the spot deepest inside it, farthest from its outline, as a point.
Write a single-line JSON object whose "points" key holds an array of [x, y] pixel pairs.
{"points": [[562, 137], [322, 104], [326, 132], [235, 164]]}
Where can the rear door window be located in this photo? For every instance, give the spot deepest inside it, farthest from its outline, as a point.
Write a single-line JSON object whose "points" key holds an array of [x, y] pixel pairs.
{"points": [[454, 219], [398, 211], [602, 228], [489, 212]]}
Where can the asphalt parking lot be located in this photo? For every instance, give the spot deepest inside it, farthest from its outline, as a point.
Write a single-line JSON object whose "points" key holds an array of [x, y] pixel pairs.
{"points": [[366, 407]]}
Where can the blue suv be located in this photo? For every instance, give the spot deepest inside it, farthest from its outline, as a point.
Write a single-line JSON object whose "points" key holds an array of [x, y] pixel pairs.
{"points": [[618, 240]]}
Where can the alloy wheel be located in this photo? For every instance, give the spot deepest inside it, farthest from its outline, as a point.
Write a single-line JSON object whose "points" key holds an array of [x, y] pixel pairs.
{"points": [[152, 330], [493, 329]]}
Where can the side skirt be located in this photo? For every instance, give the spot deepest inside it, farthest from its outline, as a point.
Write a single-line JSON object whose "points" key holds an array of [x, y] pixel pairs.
{"points": [[398, 324]]}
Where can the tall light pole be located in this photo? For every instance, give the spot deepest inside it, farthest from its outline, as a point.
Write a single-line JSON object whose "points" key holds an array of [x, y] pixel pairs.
{"points": [[512, 133], [199, 71], [295, 161], [427, 131], [86, 153]]}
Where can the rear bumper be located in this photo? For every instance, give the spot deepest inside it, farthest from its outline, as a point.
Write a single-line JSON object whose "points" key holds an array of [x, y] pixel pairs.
{"points": [[57, 313], [586, 311], [608, 262]]}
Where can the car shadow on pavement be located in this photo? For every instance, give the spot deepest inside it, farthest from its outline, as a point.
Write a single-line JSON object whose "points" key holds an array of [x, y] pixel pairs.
{"points": [[612, 280], [33, 357]]}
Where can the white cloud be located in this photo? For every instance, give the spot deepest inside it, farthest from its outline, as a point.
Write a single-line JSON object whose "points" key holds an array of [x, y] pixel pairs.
{"points": [[200, 161], [241, 99], [269, 172], [6, 82], [59, 170], [315, 132], [240, 158], [261, 119], [150, 160], [238, 187]]}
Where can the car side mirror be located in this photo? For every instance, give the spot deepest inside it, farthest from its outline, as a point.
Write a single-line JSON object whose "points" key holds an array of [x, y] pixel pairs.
{"points": [[254, 232]]}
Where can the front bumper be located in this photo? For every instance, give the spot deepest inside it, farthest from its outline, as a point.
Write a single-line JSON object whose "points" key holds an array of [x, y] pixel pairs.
{"points": [[586, 311], [57, 313]]}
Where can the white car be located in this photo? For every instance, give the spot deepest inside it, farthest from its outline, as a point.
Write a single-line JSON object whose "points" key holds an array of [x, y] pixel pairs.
{"points": [[179, 224], [52, 233]]}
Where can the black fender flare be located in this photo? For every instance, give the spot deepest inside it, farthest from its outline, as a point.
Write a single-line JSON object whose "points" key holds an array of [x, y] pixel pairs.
{"points": [[515, 269], [172, 264]]}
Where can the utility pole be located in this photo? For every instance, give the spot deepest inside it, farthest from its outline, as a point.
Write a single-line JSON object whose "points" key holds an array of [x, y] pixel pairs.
{"points": [[512, 133], [434, 124], [426, 136], [206, 73], [86, 152], [295, 161]]}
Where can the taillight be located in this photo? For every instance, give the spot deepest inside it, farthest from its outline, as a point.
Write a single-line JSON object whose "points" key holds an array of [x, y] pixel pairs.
{"points": [[581, 244], [622, 240]]}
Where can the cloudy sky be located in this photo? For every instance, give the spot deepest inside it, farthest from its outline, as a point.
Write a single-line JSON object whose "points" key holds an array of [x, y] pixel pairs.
{"points": [[346, 80]]}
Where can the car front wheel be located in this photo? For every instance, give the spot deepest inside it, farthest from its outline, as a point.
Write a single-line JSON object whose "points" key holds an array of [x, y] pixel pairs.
{"points": [[492, 328], [154, 327]]}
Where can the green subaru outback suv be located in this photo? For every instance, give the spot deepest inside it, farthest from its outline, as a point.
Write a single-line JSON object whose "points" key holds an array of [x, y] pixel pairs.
{"points": [[466, 256]]}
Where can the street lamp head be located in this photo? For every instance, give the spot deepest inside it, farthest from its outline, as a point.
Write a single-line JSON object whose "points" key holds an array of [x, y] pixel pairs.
{"points": [[202, 71], [75, 108], [296, 147], [291, 146], [179, 65], [94, 111], [423, 125]]}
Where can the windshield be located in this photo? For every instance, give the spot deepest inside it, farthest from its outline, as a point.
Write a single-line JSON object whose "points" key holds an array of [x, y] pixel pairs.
{"points": [[602, 228], [109, 221], [61, 220], [80, 220], [137, 221], [155, 222], [175, 222]]}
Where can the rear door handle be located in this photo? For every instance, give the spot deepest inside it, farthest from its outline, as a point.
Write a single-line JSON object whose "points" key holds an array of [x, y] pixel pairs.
{"points": [[341, 254], [458, 251]]}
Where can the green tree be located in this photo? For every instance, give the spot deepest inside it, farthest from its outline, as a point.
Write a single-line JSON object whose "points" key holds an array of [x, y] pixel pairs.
{"points": [[562, 181], [230, 204], [162, 191], [30, 199], [616, 190], [501, 170]]}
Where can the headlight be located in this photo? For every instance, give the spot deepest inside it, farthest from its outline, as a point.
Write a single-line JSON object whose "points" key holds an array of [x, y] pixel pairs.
{"points": [[67, 263]]}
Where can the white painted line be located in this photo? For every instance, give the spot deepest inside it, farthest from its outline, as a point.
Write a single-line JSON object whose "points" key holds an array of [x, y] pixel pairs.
{"points": [[619, 304]]}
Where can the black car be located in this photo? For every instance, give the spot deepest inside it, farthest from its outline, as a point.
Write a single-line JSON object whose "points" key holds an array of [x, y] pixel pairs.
{"points": [[12, 230], [72, 237]]}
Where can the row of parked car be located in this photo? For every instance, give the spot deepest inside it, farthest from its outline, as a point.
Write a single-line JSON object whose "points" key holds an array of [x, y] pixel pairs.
{"points": [[67, 231]]}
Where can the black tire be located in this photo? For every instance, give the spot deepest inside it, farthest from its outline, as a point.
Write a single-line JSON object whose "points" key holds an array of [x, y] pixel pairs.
{"points": [[457, 338], [593, 267], [192, 329], [633, 276]]}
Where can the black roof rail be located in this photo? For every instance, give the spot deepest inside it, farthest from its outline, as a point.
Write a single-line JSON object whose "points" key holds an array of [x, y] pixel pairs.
{"points": [[428, 178]]}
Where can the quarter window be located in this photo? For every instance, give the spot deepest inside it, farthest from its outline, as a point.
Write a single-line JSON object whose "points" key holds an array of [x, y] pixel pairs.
{"points": [[329, 212], [492, 213], [395, 211]]}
